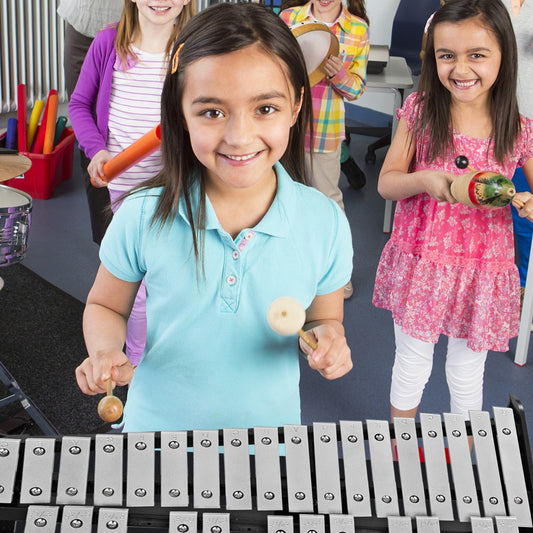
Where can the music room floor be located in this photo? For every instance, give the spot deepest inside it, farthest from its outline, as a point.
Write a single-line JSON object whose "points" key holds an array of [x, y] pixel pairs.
{"points": [[62, 252]]}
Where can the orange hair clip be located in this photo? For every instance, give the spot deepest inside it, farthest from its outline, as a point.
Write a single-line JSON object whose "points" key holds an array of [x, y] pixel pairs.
{"points": [[175, 59]]}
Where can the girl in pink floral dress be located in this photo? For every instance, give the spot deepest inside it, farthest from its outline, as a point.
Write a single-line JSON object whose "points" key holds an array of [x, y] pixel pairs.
{"points": [[449, 269]]}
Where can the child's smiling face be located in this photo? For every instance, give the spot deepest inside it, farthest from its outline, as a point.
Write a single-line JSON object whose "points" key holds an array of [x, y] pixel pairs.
{"points": [[326, 10], [238, 109], [159, 11], [468, 58]]}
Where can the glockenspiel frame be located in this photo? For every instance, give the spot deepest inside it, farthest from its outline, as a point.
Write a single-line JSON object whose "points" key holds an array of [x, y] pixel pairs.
{"points": [[344, 472]]}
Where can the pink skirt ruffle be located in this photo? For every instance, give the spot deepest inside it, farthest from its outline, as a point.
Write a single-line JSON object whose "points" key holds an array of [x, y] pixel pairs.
{"points": [[428, 299]]}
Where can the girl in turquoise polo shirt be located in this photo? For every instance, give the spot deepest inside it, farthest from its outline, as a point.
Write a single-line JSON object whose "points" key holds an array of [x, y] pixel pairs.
{"points": [[223, 230]]}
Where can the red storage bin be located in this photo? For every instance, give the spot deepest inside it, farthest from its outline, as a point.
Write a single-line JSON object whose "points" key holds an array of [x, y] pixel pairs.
{"points": [[48, 170]]}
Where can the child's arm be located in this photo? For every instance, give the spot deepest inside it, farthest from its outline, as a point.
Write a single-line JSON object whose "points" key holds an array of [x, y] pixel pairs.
{"points": [[83, 100], [348, 78], [104, 328], [332, 357], [396, 182], [526, 211]]}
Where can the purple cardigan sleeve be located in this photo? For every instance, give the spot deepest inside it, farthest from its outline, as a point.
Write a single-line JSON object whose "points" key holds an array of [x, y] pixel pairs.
{"points": [[89, 103]]}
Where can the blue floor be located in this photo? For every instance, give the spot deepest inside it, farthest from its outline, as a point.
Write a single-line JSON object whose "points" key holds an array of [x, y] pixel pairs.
{"points": [[61, 251]]}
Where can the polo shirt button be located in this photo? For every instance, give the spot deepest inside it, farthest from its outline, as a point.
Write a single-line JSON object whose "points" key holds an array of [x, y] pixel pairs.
{"points": [[235, 254], [231, 280], [249, 235]]}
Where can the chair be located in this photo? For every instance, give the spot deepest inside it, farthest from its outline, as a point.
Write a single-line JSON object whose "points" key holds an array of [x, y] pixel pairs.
{"points": [[381, 16]]}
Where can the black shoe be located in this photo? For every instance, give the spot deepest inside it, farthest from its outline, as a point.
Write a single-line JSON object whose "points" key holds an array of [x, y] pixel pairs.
{"points": [[355, 176]]}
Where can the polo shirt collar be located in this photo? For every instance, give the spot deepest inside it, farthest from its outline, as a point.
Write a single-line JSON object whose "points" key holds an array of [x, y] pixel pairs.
{"points": [[275, 221]]}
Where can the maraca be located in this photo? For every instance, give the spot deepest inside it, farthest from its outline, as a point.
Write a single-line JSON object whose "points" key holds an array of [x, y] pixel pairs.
{"points": [[286, 316], [482, 189], [110, 407]]}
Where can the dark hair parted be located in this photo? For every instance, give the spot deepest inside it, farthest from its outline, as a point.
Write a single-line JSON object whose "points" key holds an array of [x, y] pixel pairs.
{"points": [[222, 29], [355, 7], [434, 115]]}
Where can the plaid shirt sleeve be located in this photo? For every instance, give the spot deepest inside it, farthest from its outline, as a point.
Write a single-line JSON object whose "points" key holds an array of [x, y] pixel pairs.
{"points": [[354, 46]]}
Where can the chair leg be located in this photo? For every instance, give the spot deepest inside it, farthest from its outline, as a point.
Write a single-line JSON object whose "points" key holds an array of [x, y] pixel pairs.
{"points": [[370, 157], [355, 176], [17, 395]]}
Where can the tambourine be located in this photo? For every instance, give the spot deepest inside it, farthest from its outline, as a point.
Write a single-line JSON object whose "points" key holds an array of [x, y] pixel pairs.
{"points": [[317, 42]]}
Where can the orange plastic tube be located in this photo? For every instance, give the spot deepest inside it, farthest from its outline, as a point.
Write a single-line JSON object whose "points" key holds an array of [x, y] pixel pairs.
{"points": [[142, 147], [48, 146]]}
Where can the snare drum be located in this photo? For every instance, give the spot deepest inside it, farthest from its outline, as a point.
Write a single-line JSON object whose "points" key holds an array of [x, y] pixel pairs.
{"points": [[15, 220]]}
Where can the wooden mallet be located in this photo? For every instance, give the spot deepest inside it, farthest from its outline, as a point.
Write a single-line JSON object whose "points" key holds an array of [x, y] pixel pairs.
{"points": [[110, 407], [286, 316]]}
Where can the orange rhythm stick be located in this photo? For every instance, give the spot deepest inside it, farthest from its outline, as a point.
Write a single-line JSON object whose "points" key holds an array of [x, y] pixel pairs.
{"points": [[141, 148]]}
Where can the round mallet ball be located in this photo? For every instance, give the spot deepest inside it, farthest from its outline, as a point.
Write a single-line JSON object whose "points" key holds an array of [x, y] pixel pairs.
{"points": [[110, 408], [286, 316]]}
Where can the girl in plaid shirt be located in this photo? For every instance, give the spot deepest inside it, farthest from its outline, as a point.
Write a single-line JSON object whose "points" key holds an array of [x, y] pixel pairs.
{"points": [[346, 78]]}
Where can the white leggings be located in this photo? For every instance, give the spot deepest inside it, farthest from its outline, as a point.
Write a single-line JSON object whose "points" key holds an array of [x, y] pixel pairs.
{"points": [[412, 368]]}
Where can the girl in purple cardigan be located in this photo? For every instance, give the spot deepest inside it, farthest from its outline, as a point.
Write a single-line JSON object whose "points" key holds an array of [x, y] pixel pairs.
{"points": [[117, 100]]}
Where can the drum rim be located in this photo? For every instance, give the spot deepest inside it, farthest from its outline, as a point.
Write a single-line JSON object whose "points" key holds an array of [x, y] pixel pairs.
{"points": [[304, 27], [21, 207]]}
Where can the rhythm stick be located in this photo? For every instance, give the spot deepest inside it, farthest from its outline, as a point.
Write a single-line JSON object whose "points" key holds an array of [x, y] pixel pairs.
{"points": [[34, 121], [286, 316], [110, 407], [49, 132], [11, 134], [60, 126], [22, 118], [37, 147], [137, 151]]}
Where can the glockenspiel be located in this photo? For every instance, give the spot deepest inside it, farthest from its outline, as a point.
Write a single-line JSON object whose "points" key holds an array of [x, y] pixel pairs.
{"points": [[324, 478]]}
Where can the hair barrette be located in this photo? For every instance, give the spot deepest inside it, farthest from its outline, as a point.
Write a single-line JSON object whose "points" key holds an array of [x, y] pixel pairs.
{"points": [[175, 59]]}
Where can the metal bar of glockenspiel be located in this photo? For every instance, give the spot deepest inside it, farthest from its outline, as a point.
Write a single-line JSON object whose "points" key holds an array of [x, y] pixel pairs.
{"points": [[206, 472], [523, 439], [215, 522], [115, 520], [41, 519], [298, 467], [327, 471], [237, 469], [77, 519], [73, 470], [512, 467]]}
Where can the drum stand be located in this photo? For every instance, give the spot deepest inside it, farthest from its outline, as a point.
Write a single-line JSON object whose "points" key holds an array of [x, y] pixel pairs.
{"points": [[17, 395]]}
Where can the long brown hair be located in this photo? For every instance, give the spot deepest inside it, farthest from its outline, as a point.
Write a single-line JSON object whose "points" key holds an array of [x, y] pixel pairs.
{"points": [[355, 7], [129, 24], [222, 29], [434, 114]]}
